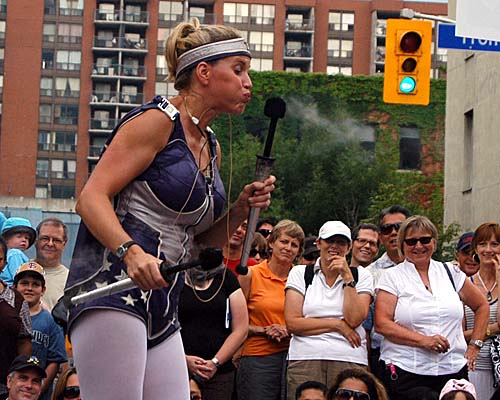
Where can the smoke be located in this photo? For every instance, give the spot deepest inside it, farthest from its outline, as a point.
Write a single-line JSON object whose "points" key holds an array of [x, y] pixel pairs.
{"points": [[342, 129]]}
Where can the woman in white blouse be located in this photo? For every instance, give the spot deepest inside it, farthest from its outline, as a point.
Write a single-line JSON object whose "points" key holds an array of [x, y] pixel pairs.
{"points": [[419, 312]]}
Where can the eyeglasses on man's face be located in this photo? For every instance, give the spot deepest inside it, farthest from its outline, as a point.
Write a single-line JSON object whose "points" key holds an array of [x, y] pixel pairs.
{"points": [[47, 239]]}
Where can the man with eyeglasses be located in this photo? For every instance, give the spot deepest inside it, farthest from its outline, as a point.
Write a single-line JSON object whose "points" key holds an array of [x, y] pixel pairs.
{"points": [[265, 226], [364, 245], [390, 220], [52, 236]]}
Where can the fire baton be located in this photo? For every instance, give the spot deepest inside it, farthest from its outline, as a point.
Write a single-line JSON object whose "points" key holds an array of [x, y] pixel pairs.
{"points": [[275, 109], [209, 258]]}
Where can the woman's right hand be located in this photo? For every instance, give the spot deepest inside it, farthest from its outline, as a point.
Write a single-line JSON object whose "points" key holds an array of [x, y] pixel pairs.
{"points": [[276, 332], [143, 269], [197, 366], [350, 334], [436, 343]]}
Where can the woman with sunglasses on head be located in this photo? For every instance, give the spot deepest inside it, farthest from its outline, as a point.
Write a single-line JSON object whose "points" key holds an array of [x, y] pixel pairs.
{"points": [[156, 195], [419, 312], [261, 374], [67, 387], [486, 247], [325, 305], [357, 384], [258, 251]]}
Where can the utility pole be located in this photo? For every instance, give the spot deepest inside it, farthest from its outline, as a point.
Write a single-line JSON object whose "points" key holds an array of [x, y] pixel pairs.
{"points": [[186, 11]]}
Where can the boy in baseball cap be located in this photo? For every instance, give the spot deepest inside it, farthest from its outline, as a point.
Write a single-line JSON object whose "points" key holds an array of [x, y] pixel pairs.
{"points": [[48, 339]]}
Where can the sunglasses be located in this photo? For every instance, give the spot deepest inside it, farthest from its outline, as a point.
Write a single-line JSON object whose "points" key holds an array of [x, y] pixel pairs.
{"points": [[346, 394], [387, 228], [311, 256], [71, 392], [265, 232], [414, 241], [261, 253]]}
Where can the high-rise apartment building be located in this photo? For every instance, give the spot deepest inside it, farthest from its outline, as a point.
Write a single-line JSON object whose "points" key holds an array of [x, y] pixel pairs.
{"points": [[69, 69]]}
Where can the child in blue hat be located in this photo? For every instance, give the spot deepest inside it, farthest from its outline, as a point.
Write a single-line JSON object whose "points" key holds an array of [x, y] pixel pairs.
{"points": [[19, 236]]}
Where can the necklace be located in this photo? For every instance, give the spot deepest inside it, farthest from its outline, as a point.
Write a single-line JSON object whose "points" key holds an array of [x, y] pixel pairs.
{"points": [[489, 297]]}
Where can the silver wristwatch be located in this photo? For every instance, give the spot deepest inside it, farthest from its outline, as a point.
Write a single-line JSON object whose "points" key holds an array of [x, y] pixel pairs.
{"points": [[477, 342]]}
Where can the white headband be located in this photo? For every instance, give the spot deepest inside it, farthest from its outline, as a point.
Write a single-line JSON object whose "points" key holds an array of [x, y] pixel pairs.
{"points": [[212, 51]]}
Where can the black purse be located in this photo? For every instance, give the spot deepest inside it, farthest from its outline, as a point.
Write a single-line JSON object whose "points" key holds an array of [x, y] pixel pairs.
{"points": [[60, 314]]}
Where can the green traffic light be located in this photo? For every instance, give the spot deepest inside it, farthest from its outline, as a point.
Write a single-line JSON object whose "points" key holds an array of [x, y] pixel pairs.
{"points": [[407, 85]]}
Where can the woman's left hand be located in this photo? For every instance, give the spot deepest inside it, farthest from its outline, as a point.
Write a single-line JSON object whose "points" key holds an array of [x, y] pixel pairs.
{"points": [[471, 355]]}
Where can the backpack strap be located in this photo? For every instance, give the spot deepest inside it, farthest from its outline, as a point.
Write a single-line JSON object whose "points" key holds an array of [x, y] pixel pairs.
{"points": [[355, 273], [449, 275], [309, 274]]}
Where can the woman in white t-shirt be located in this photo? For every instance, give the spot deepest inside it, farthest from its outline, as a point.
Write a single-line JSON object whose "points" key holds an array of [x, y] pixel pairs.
{"points": [[325, 316], [419, 312]]}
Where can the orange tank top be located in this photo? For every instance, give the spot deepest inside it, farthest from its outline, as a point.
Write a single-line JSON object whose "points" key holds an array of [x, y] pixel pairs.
{"points": [[266, 306]]}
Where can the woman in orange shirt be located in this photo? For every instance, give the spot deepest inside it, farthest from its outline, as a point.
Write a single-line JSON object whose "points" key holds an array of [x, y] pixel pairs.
{"points": [[261, 374]]}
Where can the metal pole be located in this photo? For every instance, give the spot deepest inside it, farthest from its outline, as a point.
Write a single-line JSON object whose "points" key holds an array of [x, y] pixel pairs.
{"points": [[408, 13], [186, 11]]}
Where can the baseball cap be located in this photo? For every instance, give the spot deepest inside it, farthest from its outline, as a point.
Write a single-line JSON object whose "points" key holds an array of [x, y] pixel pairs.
{"points": [[18, 224], [465, 241], [30, 268], [458, 385], [332, 228], [310, 245], [23, 362]]}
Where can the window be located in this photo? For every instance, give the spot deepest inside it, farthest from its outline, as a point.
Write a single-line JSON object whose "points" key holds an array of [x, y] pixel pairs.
{"points": [[133, 13], [468, 149], [165, 89], [1, 84], [42, 168], [236, 13], [409, 148], [71, 7], [2, 29], [49, 32], [66, 114], [340, 48], [262, 14], [341, 21], [171, 11], [47, 58], [68, 87], [261, 64], [49, 7], [62, 169], [63, 192], [161, 65], [46, 86], [68, 60], [69, 33], [44, 140], [365, 135], [65, 141], [261, 41], [45, 111], [41, 192]]}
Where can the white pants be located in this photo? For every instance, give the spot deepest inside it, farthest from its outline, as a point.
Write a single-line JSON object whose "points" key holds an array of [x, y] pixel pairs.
{"points": [[113, 361]]}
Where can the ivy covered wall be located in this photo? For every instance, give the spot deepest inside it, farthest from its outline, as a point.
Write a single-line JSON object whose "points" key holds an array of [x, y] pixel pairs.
{"points": [[323, 170]]}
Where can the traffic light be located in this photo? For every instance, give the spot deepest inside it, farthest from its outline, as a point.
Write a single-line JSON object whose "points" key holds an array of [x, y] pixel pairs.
{"points": [[407, 62]]}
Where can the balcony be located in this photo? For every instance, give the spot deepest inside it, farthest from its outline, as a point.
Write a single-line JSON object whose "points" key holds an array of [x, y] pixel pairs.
{"points": [[102, 124], [121, 16], [116, 98], [302, 52], [119, 70], [71, 12], [121, 43], [68, 66], [66, 120], [94, 152], [307, 25], [69, 39]]}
